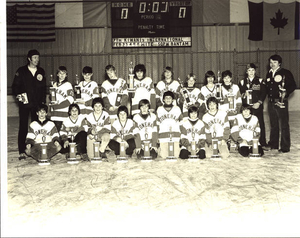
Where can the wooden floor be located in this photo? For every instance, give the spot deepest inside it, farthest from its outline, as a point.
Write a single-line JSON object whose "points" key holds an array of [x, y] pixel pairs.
{"points": [[233, 197]]}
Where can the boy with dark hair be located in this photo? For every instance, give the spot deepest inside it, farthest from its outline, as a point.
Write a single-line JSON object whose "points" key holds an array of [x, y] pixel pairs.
{"points": [[42, 131]]}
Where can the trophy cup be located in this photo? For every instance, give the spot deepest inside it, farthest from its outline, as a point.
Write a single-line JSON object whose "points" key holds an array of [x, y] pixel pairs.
{"points": [[249, 94], [219, 88], [72, 156], [282, 93], [131, 78], [44, 157], [254, 154], [171, 155], [215, 149], [184, 92], [193, 156], [77, 88], [122, 158], [230, 97], [96, 145], [146, 157], [52, 91]]}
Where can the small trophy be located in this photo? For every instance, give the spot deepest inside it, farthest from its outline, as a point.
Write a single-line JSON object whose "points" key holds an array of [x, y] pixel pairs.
{"points": [[72, 156], [230, 97], [131, 78], [96, 145], [52, 91], [254, 154], [184, 92], [282, 93], [193, 156], [146, 156], [77, 88], [249, 94], [215, 149], [122, 158], [219, 88], [44, 157], [23, 98], [171, 155]]}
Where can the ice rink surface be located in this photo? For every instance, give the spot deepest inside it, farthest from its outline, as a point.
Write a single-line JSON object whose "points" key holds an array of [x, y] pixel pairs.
{"points": [[233, 197]]}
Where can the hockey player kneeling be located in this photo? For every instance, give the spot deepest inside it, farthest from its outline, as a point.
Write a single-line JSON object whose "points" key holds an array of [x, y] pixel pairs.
{"points": [[193, 136], [42, 141], [245, 132]]}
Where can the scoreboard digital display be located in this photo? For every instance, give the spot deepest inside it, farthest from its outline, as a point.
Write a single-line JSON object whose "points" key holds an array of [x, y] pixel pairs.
{"points": [[151, 24]]}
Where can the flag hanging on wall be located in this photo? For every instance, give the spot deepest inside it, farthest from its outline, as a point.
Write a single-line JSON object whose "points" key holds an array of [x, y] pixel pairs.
{"points": [[31, 22], [273, 21]]}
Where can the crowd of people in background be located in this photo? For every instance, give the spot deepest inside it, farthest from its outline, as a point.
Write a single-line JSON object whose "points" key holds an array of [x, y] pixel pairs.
{"points": [[172, 110]]}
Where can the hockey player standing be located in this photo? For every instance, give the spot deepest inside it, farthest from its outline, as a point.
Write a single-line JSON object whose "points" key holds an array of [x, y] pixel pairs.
{"points": [[245, 128], [168, 121], [193, 129], [145, 129], [42, 131], [216, 127], [64, 97], [144, 89], [209, 88], [114, 92], [89, 91]]}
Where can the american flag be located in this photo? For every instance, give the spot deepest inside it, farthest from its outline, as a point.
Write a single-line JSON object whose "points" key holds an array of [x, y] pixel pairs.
{"points": [[31, 22]]}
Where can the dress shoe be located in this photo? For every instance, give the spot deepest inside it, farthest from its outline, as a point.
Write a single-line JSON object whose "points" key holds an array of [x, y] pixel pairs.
{"points": [[283, 151]]}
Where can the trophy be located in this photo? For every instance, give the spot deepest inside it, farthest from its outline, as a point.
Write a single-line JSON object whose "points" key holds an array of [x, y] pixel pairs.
{"points": [[77, 88], [146, 156], [230, 97], [184, 92], [52, 91], [44, 157], [249, 94], [215, 149], [219, 88], [131, 78], [282, 93], [171, 155], [255, 154], [96, 145], [193, 156], [23, 98], [72, 156], [122, 157], [119, 97]]}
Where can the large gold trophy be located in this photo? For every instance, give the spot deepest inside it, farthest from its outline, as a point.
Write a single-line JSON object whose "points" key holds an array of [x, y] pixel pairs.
{"points": [[193, 156], [282, 93], [44, 160], [72, 145], [231, 99], [131, 78], [96, 145], [146, 156], [219, 94], [171, 154], [215, 147], [255, 154], [122, 158], [77, 88], [52, 91], [249, 92]]}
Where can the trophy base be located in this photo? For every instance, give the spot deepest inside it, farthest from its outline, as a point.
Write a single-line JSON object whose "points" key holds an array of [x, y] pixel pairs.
{"points": [[171, 158], [43, 162], [72, 161], [146, 158], [254, 156], [233, 147], [215, 157], [96, 160]]}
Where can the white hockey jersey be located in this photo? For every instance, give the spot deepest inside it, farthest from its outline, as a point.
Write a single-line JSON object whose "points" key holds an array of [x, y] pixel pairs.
{"points": [[216, 126], [145, 129], [207, 93], [102, 124], [71, 128], [143, 90], [42, 132], [162, 87], [125, 132], [194, 98], [194, 132], [89, 91], [64, 98], [169, 123]]}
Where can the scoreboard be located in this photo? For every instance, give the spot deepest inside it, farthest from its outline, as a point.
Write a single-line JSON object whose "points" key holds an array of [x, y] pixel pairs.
{"points": [[140, 23]]}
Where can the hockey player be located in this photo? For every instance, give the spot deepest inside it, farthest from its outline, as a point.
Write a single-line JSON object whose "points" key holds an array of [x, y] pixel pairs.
{"points": [[245, 128], [216, 127], [229, 88], [144, 89], [168, 120], [145, 129], [64, 97], [89, 90], [74, 129], [122, 130], [193, 129], [257, 86], [190, 95], [99, 128], [114, 92], [209, 88], [40, 132], [167, 83]]}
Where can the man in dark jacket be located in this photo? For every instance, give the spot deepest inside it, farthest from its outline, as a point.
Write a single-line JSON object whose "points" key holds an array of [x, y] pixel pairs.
{"points": [[254, 88], [280, 84], [29, 87]]}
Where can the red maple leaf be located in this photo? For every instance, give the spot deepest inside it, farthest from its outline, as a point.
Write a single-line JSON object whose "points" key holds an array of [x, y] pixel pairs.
{"points": [[279, 22]]}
